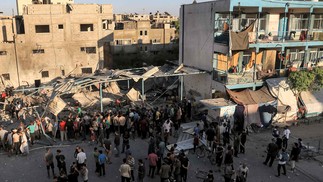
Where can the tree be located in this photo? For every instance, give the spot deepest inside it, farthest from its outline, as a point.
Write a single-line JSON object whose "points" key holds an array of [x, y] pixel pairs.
{"points": [[306, 80]]}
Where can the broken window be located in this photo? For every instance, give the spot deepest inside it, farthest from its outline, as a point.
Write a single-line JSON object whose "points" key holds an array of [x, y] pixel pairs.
{"points": [[119, 26], [44, 74], [86, 27], [3, 53], [105, 24], [38, 51], [20, 25], [42, 28], [86, 70], [60, 26], [88, 50], [6, 76]]}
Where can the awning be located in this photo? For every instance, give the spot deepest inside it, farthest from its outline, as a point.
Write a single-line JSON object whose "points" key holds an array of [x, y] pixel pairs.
{"points": [[248, 97], [313, 101]]}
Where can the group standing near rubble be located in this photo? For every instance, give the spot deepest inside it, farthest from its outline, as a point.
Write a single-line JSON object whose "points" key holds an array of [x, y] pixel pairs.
{"points": [[157, 124], [116, 127]]}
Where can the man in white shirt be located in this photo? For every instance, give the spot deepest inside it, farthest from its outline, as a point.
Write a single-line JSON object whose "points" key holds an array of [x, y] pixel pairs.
{"points": [[80, 158], [167, 125], [286, 134], [125, 171]]}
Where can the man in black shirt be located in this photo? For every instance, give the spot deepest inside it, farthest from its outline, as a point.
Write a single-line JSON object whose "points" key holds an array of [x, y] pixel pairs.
{"points": [[272, 151], [185, 164], [210, 134]]}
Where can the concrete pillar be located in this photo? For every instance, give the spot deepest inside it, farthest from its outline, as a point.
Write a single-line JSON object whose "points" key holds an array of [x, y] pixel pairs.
{"points": [[240, 61], [143, 90], [182, 87], [101, 103]]}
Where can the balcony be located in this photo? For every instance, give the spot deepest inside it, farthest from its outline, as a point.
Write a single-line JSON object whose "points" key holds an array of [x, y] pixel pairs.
{"points": [[292, 39], [238, 80]]}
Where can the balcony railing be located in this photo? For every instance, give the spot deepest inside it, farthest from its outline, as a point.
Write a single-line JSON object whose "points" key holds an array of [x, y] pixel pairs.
{"points": [[299, 35]]}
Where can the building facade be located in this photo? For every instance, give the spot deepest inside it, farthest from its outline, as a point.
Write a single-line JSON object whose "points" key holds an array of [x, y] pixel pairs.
{"points": [[22, 4], [242, 42], [54, 40], [7, 51], [153, 17], [132, 37]]}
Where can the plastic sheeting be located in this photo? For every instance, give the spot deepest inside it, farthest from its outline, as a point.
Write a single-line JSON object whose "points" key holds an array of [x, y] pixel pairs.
{"points": [[313, 101], [247, 96], [267, 111], [280, 89], [240, 40], [252, 114]]}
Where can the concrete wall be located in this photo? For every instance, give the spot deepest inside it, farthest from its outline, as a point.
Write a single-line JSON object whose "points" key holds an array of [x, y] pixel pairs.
{"points": [[163, 35], [22, 4], [6, 34], [7, 56], [62, 44], [8, 64], [196, 46]]}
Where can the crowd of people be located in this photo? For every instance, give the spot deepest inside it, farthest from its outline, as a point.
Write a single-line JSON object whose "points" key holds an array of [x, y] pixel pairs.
{"points": [[277, 149], [112, 129], [111, 132], [116, 127]]}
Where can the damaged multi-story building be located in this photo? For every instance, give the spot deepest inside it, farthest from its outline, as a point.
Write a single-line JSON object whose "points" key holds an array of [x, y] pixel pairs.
{"points": [[241, 42], [48, 40], [149, 34]]}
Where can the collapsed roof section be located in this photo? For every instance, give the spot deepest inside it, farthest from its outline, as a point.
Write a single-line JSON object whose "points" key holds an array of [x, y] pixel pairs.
{"points": [[108, 80]]}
